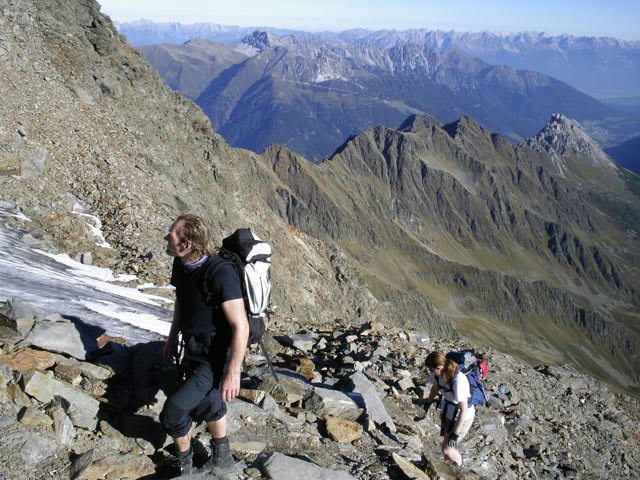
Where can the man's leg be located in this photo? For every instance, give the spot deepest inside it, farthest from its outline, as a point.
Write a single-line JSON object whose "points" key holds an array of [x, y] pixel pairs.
{"points": [[175, 416], [221, 458], [218, 428], [182, 444]]}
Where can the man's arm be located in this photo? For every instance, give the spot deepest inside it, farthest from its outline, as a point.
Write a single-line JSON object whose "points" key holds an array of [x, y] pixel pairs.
{"points": [[170, 348], [236, 316]]}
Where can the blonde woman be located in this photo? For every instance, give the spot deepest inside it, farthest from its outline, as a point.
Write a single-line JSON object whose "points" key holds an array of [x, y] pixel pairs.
{"points": [[457, 415]]}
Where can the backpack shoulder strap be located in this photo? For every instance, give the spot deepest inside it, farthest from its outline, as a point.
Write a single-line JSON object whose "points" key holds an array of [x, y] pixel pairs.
{"points": [[215, 262], [225, 256]]}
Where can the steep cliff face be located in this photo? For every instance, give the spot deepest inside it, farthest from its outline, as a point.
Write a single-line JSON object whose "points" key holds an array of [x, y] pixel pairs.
{"points": [[508, 241], [88, 128]]}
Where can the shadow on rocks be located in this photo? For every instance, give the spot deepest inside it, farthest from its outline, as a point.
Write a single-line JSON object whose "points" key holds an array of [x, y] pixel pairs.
{"points": [[135, 395], [88, 333]]}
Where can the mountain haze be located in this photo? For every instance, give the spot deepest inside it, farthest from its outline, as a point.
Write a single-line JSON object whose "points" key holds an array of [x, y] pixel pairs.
{"points": [[433, 225], [310, 95], [602, 67]]}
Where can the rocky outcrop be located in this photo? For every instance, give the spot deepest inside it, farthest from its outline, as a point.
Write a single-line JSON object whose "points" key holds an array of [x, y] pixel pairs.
{"points": [[353, 415], [97, 157]]}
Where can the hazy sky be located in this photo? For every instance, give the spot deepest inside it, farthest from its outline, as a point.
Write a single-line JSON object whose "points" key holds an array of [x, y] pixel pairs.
{"points": [[616, 18]]}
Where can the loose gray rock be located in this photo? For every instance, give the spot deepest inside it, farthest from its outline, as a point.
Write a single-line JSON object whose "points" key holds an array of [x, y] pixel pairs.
{"points": [[62, 337], [374, 408], [32, 447], [82, 407], [325, 401], [283, 467]]}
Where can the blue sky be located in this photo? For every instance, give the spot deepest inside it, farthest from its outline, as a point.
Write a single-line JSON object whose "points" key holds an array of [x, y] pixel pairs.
{"points": [[616, 18]]}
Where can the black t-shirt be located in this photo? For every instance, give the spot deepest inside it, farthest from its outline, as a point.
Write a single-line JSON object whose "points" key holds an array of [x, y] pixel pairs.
{"points": [[196, 315]]}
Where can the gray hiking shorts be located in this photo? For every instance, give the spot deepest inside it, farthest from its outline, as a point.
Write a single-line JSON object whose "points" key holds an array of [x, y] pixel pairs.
{"points": [[198, 398]]}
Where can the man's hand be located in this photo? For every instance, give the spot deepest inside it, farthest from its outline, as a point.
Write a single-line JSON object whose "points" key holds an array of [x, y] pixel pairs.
{"points": [[453, 440], [230, 385], [170, 350]]}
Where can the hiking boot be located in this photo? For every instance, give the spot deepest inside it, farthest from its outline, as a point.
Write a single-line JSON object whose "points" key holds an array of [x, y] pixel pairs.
{"points": [[221, 459], [178, 465]]}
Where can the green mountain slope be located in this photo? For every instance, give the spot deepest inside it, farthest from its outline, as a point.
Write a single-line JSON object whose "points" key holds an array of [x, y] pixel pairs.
{"points": [[516, 244]]}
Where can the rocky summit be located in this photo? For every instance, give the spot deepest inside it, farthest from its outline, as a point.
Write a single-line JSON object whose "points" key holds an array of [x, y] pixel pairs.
{"points": [[348, 403]]}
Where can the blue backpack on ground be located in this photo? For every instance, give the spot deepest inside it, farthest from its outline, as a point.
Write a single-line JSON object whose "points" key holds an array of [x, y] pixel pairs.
{"points": [[475, 370]]}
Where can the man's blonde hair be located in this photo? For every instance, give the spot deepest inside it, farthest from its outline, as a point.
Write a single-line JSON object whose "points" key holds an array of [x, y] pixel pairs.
{"points": [[194, 228]]}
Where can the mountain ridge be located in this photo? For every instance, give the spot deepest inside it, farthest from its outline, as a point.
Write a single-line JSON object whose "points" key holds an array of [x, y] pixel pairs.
{"points": [[310, 95], [482, 230], [602, 67]]}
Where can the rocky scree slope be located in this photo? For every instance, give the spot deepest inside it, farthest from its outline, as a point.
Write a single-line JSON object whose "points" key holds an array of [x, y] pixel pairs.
{"points": [[91, 139], [348, 405]]}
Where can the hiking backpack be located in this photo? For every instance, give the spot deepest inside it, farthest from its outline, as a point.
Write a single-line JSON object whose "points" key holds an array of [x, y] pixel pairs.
{"points": [[251, 258], [475, 369]]}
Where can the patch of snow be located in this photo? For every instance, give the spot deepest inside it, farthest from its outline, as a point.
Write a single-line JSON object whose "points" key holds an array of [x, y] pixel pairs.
{"points": [[95, 225], [6, 210], [324, 76], [78, 268], [56, 283], [140, 320]]}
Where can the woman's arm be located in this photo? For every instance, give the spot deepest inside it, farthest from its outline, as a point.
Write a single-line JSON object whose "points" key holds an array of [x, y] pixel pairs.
{"points": [[462, 406], [433, 392], [430, 398]]}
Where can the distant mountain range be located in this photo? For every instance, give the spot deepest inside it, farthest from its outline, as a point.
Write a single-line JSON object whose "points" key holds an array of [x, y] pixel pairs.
{"points": [[310, 94], [600, 67]]}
